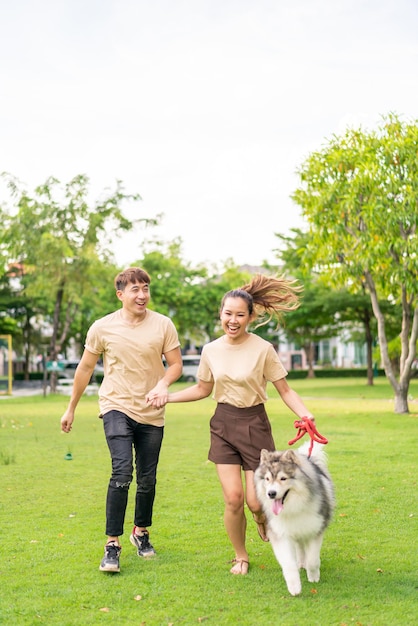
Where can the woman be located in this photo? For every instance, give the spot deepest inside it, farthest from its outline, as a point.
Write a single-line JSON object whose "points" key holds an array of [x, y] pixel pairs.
{"points": [[237, 366]]}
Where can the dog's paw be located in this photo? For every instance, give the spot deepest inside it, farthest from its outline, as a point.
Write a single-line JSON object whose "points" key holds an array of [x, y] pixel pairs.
{"points": [[313, 575], [294, 586], [295, 590]]}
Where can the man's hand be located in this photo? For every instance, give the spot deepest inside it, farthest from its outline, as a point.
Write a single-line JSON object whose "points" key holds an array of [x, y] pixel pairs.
{"points": [[158, 397], [67, 421]]}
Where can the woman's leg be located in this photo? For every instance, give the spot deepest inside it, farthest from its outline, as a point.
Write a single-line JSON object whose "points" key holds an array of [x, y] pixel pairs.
{"points": [[234, 517], [254, 505]]}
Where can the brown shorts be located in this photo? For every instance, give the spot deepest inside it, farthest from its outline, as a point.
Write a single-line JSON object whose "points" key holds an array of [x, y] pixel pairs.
{"points": [[237, 436]]}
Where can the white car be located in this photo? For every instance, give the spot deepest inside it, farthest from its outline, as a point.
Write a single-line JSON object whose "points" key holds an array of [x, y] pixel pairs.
{"points": [[71, 366], [65, 387]]}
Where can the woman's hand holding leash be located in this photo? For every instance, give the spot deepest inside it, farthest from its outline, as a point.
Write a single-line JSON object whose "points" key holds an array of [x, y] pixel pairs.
{"points": [[306, 425]]}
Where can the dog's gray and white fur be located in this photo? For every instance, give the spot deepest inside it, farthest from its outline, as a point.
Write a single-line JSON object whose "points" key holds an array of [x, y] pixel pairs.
{"points": [[297, 497]]}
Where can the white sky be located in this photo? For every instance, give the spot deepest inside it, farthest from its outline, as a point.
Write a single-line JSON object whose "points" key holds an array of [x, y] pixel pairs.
{"points": [[205, 108]]}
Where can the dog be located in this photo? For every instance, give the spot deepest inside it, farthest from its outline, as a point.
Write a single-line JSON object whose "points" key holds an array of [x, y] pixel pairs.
{"points": [[298, 499]]}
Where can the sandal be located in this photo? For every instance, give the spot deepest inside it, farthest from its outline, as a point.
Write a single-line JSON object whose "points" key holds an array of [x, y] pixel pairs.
{"points": [[240, 567], [261, 522]]}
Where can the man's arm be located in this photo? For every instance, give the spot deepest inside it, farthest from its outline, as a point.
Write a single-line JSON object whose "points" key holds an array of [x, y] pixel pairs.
{"points": [[159, 394], [82, 378]]}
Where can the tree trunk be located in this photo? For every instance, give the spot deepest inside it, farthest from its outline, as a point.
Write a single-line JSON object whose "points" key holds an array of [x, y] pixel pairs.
{"points": [[309, 351], [401, 400], [53, 347], [408, 349], [369, 344], [27, 345]]}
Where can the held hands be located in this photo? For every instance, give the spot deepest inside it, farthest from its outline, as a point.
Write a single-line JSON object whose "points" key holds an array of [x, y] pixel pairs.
{"points": [[158, 397]]}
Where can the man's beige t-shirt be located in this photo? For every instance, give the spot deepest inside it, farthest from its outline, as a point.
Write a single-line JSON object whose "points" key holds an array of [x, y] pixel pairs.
{"points": [[132, 360], [240, 372]]}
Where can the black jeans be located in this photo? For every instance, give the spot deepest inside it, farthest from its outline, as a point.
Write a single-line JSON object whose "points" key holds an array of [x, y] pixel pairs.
{"points": [[123, 433]]}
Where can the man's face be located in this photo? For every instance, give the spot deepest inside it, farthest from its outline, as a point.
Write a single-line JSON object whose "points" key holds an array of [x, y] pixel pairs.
{"points": [[134, 298]]}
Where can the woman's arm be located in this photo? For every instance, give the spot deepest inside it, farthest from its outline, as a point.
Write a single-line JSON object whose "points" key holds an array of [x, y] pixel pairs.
{"points": [[291, 398], [196, 392], [190, 394]]}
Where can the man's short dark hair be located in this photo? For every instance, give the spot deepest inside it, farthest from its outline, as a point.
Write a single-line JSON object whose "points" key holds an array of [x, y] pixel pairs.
{"points": [[131, 275]]}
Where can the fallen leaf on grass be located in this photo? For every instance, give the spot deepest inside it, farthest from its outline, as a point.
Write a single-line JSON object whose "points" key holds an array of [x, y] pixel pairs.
{"points": [[202, 619], [314, 591], [138, 598], [360, 556], [379, 570], [105, 609]]}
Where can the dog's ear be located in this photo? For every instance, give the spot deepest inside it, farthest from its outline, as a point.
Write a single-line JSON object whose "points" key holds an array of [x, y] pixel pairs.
{"points": [[264, 455], [291, 457]]}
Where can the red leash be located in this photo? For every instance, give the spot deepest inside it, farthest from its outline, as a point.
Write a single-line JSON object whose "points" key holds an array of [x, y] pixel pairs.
{"points": [[306, 425]]}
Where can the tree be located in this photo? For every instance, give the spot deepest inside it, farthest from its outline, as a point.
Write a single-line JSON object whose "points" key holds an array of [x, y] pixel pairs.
{"points": [[317, 316], [58, 238], [172, 286], [359, 194], [189, 295], [21, 311]]}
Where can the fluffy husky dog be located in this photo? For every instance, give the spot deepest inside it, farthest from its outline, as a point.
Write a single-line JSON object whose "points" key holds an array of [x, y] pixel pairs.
{"points": [[297, 496]]}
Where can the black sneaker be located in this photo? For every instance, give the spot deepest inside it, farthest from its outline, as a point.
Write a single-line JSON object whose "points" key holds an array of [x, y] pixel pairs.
{"points": [[141, 542], [110, 561]]}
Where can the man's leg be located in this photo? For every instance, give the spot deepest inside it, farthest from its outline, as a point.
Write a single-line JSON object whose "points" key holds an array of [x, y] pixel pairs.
{"points": [[119, 436], [147, 442]]}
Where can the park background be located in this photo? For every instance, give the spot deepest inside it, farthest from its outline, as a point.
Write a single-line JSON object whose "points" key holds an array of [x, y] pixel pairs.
{"points": [[204, 108], [207, 111], [52, 515]]}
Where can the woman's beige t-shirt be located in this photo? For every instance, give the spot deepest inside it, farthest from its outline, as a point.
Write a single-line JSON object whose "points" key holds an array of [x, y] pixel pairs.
{"points": [[240, 372], [132, 360]]}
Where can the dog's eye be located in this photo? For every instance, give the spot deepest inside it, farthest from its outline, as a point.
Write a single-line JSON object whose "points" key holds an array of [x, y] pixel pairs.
{"points": [[267, 479], [283, 477]]}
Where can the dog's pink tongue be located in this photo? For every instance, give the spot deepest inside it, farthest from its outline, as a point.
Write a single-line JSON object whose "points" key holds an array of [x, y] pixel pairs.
{"points": [[277, 506]]}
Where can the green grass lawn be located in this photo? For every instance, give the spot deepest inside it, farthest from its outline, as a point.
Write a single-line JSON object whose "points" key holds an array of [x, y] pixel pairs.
{"points": [[52, 521]]}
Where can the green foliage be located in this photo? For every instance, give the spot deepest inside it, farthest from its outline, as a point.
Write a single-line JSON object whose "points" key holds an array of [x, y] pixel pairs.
{"points": [[190, 296], [31, 376], [172, 286], [335, 372], [55, 535], [55, 241], [318, 316], [8, 325], [360, 197], [394, 351], [97, 298]]}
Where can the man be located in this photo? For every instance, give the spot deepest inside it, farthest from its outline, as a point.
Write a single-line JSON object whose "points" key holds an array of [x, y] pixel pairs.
{"points": [[132, 342]]}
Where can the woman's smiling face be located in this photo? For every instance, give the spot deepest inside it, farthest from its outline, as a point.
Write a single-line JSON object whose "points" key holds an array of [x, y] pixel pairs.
{"points": [[235, 318]]}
